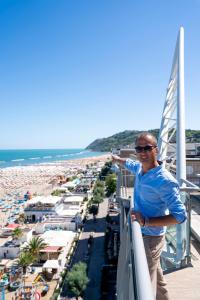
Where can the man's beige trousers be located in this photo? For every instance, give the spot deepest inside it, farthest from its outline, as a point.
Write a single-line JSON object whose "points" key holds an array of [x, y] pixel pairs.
{"points": [[153, 247]]}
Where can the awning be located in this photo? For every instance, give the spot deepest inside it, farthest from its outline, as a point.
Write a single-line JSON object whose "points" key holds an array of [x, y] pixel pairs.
{"points": [[11, 226], [51, 264], [51, 249]]}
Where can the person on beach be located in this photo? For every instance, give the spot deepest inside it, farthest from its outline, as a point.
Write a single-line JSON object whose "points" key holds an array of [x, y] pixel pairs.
{"points": [[157, 204]]}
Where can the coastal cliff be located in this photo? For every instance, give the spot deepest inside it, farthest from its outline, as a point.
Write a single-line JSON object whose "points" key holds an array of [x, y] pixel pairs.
{"points": [[127, 138]]}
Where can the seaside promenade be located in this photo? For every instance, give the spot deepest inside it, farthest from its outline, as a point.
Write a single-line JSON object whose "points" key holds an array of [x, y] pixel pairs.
{"points": [[95, 257]]}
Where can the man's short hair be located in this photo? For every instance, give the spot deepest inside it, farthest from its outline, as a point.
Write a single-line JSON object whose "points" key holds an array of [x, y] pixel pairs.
{"points": [[143, 135]]}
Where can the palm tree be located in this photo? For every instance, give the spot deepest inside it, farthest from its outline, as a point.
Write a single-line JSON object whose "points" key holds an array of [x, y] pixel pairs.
{"points": [[35, 245], [17, 233], [25, 259]]}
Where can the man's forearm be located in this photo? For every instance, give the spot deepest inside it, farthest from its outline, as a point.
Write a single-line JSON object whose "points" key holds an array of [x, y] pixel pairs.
{"points": [[161, 221], [118, 160]]}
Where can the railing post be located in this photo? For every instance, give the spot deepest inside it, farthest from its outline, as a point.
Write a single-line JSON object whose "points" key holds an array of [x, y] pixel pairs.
{"points": [[144, 289], [180, 136], [180, 132]]}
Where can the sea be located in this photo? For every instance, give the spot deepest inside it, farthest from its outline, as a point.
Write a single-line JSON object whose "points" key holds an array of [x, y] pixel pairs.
{"points": [[12, 158]]}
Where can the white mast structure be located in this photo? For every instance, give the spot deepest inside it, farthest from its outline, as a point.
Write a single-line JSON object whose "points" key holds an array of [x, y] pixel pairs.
{"points": [[173, 117], [173, 121]]}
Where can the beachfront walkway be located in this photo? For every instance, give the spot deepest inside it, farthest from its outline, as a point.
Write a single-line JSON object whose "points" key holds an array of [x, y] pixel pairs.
{"points": [[96, 255]]}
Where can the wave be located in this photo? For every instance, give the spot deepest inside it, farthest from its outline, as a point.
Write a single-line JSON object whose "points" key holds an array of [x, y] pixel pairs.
{"points": [[21, 159], [79, 153], [34, 158], [45, 157]]}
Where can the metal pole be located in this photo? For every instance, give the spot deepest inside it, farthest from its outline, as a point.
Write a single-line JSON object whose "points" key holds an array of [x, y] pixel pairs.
{"points": [[180, 137], [180, 133], [143, 282], [188, 246]]}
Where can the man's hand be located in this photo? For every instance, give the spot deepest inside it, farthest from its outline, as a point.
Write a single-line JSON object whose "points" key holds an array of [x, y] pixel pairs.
{"points": [[137, 216], [118, 160], [115, 159], [157, 221]]}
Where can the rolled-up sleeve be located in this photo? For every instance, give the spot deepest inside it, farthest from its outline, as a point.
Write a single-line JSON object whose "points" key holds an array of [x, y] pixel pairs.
{"points": [[171, 196], [131, 165]]}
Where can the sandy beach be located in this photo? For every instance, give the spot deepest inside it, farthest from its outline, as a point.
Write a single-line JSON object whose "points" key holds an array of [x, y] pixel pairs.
{"points": [[39, 178]]}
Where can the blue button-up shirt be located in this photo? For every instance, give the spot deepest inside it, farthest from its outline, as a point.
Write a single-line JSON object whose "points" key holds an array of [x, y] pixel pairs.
{"points": [[156, 194]]}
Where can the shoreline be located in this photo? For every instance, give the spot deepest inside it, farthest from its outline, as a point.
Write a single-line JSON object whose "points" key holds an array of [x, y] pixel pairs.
{"points": [[48, 157], [37, 178]]}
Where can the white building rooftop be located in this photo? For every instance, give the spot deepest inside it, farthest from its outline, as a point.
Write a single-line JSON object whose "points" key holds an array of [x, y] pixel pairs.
{"points": [[44, 200], [60, 238], [69, 212], [73, 199], [51, 264]]}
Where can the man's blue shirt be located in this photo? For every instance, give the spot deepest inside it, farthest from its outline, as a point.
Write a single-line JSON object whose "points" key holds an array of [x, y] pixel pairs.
{"points": [[156, 194]]}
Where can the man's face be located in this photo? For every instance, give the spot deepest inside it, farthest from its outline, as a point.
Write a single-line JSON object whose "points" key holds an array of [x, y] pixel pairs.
{"points": [[148, 154]]}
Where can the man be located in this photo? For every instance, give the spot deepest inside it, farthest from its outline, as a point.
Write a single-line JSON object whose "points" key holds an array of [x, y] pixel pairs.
{"points": [[156, 204]]}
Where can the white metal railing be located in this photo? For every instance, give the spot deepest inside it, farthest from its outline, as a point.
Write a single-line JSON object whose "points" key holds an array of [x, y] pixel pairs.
{"points": [[133, 279]]}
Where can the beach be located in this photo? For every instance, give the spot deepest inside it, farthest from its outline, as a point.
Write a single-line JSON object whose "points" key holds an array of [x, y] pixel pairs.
{"points": [[40, 178]]}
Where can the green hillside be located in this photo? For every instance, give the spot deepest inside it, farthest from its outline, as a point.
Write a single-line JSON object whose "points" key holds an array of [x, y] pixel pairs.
{"points": [[127, 138]]}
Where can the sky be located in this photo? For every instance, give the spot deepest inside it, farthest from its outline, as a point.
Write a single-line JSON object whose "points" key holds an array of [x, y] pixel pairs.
{"points": [[72, 71]]}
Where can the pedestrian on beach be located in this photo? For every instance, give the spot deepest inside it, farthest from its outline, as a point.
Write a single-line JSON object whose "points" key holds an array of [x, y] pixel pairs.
{"points": [[157, 204]]}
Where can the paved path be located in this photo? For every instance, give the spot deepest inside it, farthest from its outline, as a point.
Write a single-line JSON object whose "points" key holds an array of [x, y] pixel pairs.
{"points": [[96, 253]]}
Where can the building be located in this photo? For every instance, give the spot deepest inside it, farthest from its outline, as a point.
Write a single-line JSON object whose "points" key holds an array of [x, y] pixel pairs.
{"points": [[41, 206], [54, 212], [59, 244], [55, 223], [10, 247]]}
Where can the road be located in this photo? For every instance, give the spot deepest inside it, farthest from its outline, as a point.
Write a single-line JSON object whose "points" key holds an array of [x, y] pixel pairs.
{"points": [[95, 255]]}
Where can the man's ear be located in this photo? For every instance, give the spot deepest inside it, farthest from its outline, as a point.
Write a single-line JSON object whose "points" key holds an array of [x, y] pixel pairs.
{"points": [[157, 150]]}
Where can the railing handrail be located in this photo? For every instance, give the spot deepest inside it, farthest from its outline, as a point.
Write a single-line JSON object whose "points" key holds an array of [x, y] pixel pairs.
{"points": [[190, 184], [143, 287]]}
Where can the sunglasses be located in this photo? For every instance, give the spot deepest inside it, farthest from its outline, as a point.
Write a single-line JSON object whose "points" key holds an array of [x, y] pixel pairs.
{"points": [[147, 148]]}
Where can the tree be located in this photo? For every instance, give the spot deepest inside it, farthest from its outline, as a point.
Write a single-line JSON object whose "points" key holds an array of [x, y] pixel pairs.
{"points": [[99, 190], [25, 259], [35, 245], [106, 170], [57, 192], [98, 193], [97, 199], [93, 209], [77, 279], [17, 233], [110, 184], [99, 184]]}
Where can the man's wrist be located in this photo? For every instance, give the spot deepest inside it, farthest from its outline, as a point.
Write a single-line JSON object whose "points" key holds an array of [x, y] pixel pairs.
{"points": [[146, 222]]}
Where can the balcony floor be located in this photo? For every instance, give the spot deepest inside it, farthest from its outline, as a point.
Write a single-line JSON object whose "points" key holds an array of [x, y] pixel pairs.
{"points": [[184, 284]]}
